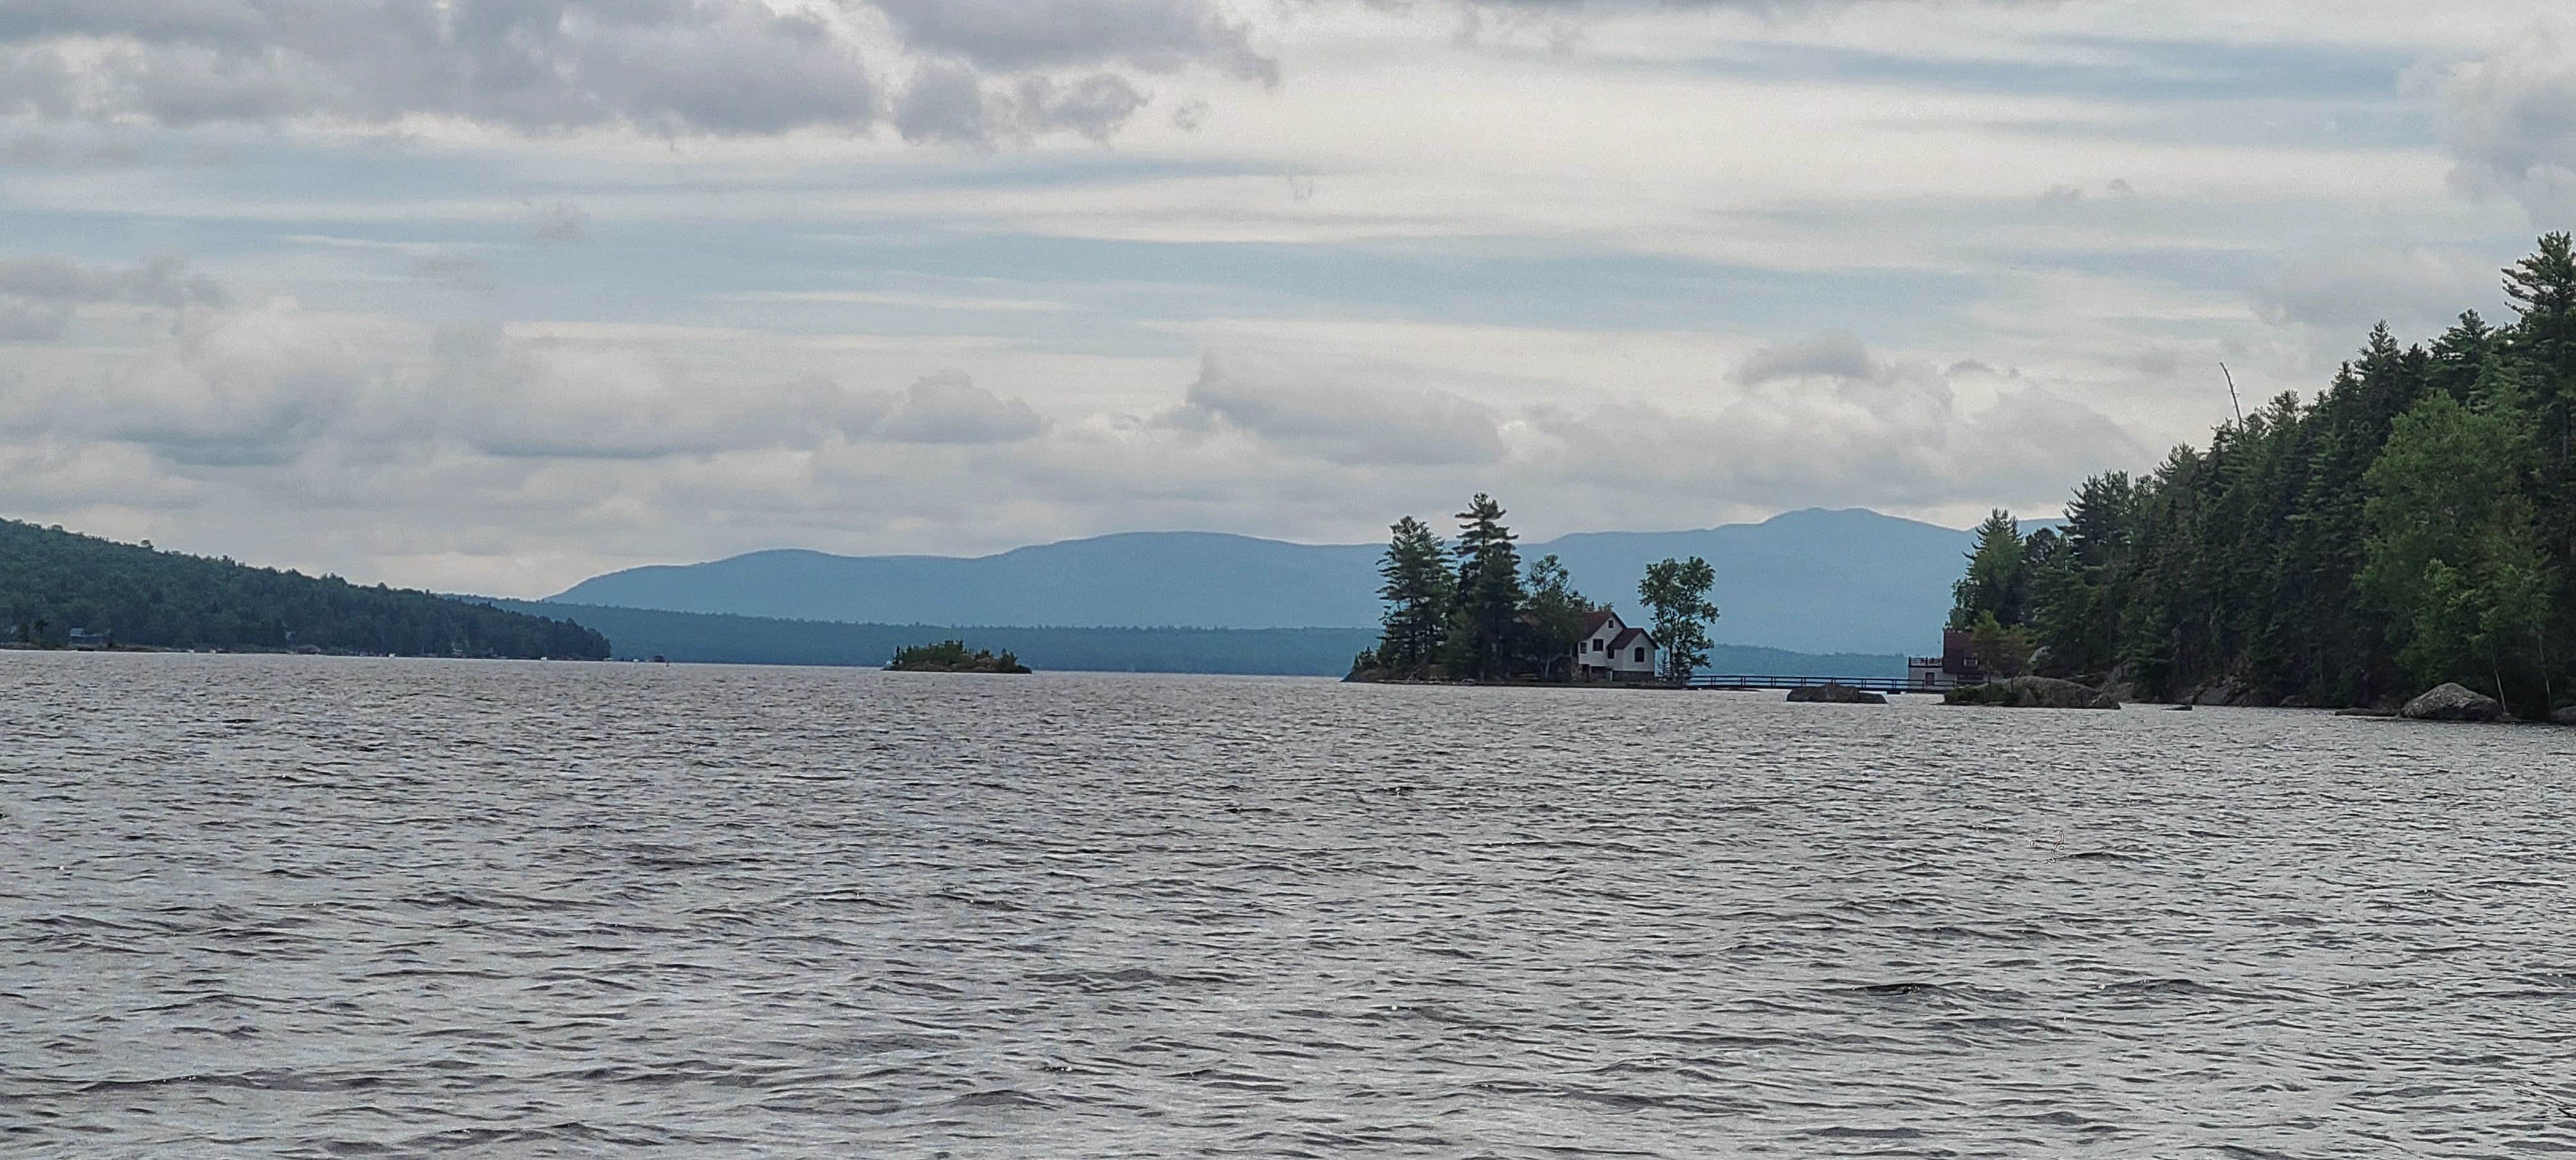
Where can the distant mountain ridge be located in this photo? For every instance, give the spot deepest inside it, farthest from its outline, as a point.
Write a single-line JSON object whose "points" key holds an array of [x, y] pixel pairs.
{"points": [[1312, 652], [1814, 581]]}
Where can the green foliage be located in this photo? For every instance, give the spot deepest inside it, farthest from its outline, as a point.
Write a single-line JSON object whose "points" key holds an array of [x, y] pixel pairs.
{"points": [[1998, 576], [1485, 613], [52, 581], [1554, 617], [2003, 651], [1417, 592], [2453, 557], [2416, 522], [1676, 591], [950, 656]]}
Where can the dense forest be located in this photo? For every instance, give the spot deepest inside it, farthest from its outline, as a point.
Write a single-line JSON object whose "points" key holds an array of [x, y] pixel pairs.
{"points": [[2414, 524], [53, 582]]}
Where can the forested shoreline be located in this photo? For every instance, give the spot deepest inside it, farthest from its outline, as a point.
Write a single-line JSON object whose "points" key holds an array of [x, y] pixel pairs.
{"points": [[53, 582], [2414, 524]]}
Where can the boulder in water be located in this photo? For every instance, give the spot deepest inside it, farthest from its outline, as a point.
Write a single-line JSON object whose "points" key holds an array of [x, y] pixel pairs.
{"points": [[1833, 693], [2453, 702], [2566, 716], [2032, 693]]}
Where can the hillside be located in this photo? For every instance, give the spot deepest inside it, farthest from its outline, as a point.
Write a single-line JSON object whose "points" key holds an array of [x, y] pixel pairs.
{"points": [[53, 581], [1317, 652], [1812, 581]]}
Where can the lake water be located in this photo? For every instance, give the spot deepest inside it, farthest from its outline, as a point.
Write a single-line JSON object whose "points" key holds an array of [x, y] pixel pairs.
{"points": [[322, 907]]}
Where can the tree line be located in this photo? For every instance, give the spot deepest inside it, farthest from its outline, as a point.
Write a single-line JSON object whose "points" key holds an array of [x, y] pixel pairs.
{"points": [[2414, 524], [53, 581], [1468, 610]]}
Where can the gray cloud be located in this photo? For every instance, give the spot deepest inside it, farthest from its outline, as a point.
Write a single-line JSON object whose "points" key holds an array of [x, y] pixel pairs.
{"points": [[950, 103], [1340, 423], [665, 66], [1157, 36], [561, 222], [2509, 121], [950, 408], [456, 272], [670, 67], [39, 296], [38, 151], [1827, 355]]}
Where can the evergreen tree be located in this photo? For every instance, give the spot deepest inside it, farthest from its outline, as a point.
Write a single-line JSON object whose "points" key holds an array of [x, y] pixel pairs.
{"points": [[1555, 616], [2415, 522], [1997, 577], [1489, 597], [1417, 593], [1676, 592]]}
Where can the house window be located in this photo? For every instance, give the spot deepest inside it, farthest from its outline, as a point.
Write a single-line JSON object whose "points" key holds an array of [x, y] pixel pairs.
{"points": [[1597, 646], [1641, 654]]}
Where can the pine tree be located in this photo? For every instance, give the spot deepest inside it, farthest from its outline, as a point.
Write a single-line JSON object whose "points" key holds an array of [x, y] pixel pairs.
{"points": [[2417, 521], [1489, 595], [1417, 594], [1997, 575]]}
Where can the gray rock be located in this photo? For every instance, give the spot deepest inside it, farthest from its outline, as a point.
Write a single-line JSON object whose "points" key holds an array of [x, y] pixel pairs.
{"points": [[2033, 693], [2566, 716], [2453, 702], [1831, 693], [2224, 693]]}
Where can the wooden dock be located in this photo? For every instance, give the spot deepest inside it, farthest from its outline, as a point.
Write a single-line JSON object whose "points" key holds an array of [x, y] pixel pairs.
{"points": [[1743, 681]]}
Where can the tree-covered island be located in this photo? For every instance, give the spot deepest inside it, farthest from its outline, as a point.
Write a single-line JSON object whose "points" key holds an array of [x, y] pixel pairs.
{"points": [[60, 588], [950, 656], [2414, 525], [1468, 611]]}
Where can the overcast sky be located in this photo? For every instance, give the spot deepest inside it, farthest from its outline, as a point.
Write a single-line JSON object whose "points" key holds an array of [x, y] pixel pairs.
{"points": [[493, 295]]}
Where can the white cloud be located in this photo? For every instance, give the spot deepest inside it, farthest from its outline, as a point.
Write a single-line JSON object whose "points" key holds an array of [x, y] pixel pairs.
{"points": [[2343, 293], [2509, 120], [950, 408], [1554, 256], [1824, 417], [1338, 422]]}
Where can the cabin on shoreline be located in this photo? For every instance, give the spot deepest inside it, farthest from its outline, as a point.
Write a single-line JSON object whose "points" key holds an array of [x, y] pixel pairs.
{"points": [[1613, 651], [1956, 666]]}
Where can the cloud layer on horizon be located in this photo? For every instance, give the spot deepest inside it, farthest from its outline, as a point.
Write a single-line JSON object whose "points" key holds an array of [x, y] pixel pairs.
{"points": [[494, 294]]}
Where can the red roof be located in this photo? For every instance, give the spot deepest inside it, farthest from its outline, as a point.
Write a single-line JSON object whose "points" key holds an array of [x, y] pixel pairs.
{"points": [[1632, 636], [1592, 621]]}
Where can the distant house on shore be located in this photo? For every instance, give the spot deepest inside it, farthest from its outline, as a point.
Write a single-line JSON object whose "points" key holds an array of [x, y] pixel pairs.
{"points": [[88, 640], [1957, 665], [1612, 651]]}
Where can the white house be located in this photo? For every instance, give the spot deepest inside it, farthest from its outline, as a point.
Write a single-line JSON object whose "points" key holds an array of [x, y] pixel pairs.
{"points": [[1612, 651]]}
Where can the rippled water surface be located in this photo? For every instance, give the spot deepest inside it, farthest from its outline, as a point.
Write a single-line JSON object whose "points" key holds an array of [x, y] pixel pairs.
{"points": [[304, 906]]}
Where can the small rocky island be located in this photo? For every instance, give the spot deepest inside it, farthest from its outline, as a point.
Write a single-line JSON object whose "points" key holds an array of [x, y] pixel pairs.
{"points": [[2033, 693], [950, 656], [1834, 693]]}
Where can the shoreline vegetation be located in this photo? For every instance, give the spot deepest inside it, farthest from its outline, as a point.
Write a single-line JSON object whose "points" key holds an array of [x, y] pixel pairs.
{"points": [[2412, 528], [1467, 613], [63, 590], [950, 656]]}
